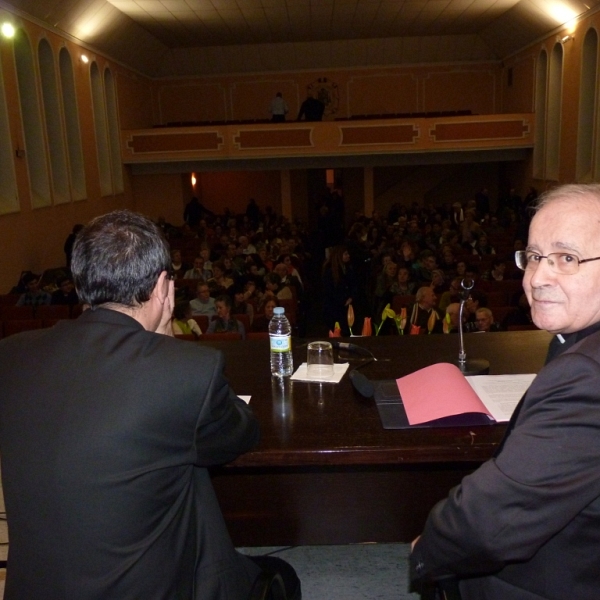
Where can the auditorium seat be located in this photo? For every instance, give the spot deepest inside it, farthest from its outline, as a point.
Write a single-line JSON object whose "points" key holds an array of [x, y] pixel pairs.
{"points": [[9, 299], [19, 325], [55, 312], [16, 312], [76, 310], [228, 336], [402, 301], [257, 335], [202, 321]]}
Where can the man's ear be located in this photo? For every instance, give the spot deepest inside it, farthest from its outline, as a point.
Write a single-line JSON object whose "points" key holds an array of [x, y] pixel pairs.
{"points": [[161, 289]]}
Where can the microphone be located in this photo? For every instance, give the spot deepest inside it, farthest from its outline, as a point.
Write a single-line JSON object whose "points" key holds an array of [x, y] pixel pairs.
{"points": [[361, 384]]}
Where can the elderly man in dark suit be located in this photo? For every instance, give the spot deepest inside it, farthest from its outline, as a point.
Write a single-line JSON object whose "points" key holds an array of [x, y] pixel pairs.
{"points": [[107, 427], [526, 524]]}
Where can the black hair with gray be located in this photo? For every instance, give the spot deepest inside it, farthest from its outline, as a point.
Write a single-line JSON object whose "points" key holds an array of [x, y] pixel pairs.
{"points": [[117, 258]]}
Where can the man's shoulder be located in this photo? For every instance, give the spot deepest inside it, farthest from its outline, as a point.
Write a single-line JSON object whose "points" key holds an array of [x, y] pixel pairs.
{"points": [[589, 345]]}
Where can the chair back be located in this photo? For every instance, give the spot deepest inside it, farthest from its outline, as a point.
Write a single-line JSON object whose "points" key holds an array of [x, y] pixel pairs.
{"points": [[202, 321], [12, 313], [19, 325], [227, 336], [257, 335], [55, 312]]}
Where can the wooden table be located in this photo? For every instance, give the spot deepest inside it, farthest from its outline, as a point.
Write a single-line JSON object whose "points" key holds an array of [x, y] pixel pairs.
{"points": [[326, 472]]}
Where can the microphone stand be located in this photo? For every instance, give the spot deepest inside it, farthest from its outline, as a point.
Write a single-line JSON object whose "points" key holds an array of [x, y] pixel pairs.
{"points": [[473, 366]]}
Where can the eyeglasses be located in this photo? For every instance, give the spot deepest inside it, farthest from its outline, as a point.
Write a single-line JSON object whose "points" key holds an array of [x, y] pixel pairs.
{"points": [[560, 262]]}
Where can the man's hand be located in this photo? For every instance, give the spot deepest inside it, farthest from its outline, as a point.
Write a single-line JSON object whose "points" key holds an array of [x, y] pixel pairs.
{"points": [[167, 310]]}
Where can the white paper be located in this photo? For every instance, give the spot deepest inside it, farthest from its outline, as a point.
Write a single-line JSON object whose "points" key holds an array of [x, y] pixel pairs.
{"points": [[501, 393], [339, 369]]}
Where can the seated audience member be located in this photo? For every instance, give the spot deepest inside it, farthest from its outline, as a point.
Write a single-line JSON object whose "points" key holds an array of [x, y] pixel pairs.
{"points": [[65, 294], [452, 294], [437, 281], [448, 262], [425, 267], [261, 322], [453, 312], [245, 246], [403, 286], [111, 425], [291, 271], [475, 301], [384, 286], [252, 293], [182, 322], [197, 271], [34, 296], [205, 254], [423, 314], [496, 273], [482, 246], [178, 267], [239, 306], [484, 320], [219, 283], [461, 269], [273, 288], [224, 322], [288, 280], [203, 304]]}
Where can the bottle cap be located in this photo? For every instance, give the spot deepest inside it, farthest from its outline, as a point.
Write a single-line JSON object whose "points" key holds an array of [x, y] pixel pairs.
{"points": [[279, 310]]}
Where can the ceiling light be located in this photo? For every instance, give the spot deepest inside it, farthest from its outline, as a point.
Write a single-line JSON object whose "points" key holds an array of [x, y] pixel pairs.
{"points": [[84, 59], [8, 31], [562, 13]]}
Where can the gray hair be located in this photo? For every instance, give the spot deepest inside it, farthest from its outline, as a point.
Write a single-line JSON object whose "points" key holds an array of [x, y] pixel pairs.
{"points": [[572, 191]]}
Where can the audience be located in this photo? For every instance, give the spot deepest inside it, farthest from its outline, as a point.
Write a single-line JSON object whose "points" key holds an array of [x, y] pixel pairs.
{"points": [[259, 257], [34, 296]]}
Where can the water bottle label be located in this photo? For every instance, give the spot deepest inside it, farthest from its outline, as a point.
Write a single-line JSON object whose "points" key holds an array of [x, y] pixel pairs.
{"points": [[280, 343]]}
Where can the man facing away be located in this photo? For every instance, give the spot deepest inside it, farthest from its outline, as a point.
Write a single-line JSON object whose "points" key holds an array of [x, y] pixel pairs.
{"points": [[278, 108], [526, 524], [107, 428]]}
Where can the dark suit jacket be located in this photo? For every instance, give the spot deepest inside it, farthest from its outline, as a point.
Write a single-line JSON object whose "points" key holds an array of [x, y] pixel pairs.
{"points": [[106, 433], [526, 525]]}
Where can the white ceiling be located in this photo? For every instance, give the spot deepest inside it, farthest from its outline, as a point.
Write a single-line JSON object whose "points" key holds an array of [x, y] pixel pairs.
{"points": [[164, 38]]}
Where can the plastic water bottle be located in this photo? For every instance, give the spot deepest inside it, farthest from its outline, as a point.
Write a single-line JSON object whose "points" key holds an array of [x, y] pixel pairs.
{"points": [[280, 338]]}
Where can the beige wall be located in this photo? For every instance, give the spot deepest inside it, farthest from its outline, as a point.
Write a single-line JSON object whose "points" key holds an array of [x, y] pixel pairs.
{"points": [[33, 239], [353, 92]]}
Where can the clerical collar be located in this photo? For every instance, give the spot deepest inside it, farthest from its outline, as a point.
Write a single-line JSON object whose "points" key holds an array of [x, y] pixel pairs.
{"points": [[563, 341]]}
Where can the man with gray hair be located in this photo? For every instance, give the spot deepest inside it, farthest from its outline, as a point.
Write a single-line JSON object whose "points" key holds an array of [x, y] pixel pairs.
{"points": [[484, 320], [526, 524], [422, 315]]}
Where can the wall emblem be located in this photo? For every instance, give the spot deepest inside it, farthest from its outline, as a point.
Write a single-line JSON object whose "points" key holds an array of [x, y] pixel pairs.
{"points": [[327, 92]]}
